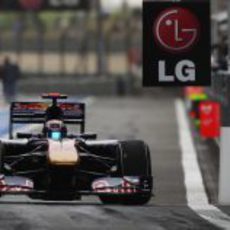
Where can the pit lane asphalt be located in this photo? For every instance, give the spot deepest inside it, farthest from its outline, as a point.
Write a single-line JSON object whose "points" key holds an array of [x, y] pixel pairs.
{"points": [[150, 119]]}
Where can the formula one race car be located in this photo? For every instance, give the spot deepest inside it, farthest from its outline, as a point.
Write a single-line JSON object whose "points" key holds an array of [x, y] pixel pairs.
{"points": [[58, 165]]}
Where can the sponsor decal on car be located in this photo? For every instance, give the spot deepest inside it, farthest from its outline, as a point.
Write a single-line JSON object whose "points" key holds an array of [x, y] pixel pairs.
{"points": [[69, 109], [101, 186], [15, 184], [2, 181], [115, 185]]}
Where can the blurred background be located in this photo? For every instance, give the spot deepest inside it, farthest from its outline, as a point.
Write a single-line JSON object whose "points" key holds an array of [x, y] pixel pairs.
{"points": [[93, 50]]}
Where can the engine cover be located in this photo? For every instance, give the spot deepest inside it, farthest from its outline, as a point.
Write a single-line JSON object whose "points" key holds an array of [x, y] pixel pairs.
{"points": [[62, 153]]}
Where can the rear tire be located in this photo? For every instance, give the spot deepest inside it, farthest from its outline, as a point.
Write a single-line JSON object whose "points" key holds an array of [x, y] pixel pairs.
{"points": [[135, 161]]}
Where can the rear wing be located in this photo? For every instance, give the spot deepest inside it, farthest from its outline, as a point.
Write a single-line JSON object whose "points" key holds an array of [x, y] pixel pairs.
{"points": [[35, 112]]}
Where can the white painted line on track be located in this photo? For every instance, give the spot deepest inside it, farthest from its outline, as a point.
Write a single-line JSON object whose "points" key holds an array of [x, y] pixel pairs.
{"points": [[217, 141], [195, 192]]}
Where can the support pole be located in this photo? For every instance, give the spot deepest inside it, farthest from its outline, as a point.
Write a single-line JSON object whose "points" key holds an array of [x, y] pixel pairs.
{"points": [[214, 10], [224, 181], [101, 65]]}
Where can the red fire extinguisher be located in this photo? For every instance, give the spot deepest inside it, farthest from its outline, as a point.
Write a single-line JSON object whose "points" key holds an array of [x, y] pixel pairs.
{"points": [[210, 119]]}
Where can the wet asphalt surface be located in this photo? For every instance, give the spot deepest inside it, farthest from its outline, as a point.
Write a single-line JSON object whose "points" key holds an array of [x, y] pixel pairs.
{"points": [[96, 216], [151, 119]]}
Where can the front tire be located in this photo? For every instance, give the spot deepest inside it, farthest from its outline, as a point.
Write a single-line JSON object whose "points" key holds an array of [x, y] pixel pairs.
{"points": [[135, 161]]}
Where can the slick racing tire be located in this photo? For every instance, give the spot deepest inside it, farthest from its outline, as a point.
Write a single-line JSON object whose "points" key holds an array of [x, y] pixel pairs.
{"points": [[135, 161]]}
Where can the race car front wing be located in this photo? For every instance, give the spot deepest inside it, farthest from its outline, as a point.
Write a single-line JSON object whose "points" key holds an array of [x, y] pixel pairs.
{"points": [[102, 186]]}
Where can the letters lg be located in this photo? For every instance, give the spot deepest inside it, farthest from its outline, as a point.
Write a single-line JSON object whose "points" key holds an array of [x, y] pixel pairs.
{"points": [[176, 31], [185, 71]]}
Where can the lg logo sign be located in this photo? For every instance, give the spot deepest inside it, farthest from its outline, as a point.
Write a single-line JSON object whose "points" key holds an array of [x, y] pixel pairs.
{"points": [[173, 41], [176, 30]]}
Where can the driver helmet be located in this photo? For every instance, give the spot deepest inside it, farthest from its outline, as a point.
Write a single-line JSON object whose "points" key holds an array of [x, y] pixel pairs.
{"points": [[55, 129]]}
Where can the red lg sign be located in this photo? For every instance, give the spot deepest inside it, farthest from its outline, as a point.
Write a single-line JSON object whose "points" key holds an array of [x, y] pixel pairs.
{"points": [[176, 29], [176, 43]]}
